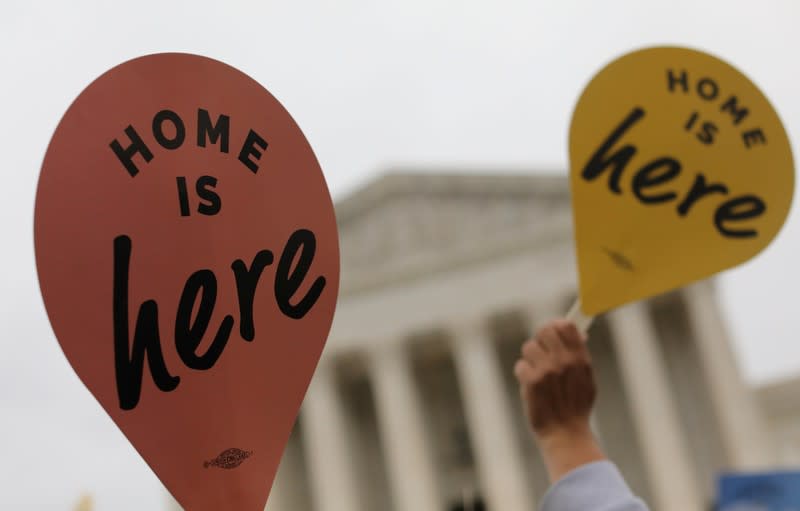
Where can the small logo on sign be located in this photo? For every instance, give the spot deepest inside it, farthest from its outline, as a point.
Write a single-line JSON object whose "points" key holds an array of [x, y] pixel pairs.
{"points": [[619, 259], [229, 458]]}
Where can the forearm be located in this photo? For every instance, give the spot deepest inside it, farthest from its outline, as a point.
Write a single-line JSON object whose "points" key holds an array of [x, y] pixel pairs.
{"points": [[581, 478], [558, 392], [596, 486], [564, 450]]}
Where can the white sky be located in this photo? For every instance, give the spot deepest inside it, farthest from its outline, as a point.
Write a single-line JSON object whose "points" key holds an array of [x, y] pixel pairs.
{"points": [[487, 85]]}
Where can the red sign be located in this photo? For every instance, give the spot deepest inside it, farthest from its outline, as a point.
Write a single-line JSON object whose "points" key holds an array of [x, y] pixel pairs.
{"points": [[188, 257]]}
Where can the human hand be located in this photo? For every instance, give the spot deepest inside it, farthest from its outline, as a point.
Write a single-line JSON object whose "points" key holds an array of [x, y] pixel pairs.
{"points": [[558, 392]]}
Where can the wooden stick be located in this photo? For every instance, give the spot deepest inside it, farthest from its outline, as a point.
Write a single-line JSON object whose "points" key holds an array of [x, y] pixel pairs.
{"points": [[576, 315]]}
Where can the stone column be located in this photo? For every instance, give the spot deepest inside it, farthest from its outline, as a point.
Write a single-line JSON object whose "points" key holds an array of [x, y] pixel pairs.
{"points": [[411, 471], [278, 496], [289, 487], [326, 435], [491, 428], [671, 474], [172, 504], [741, 424]]}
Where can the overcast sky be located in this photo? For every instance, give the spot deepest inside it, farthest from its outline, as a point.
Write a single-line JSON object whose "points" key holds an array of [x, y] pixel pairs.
{"points": [[484, 85]]}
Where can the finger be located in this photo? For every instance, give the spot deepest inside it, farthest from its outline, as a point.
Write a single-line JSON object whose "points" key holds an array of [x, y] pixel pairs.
{"points": [[545, 331], [524, 372], [577, 351], [551, 342], [573, 339], [533, 353]]}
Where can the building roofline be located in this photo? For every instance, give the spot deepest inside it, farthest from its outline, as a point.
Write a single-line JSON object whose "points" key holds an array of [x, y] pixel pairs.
{"points": [[400, 181]]}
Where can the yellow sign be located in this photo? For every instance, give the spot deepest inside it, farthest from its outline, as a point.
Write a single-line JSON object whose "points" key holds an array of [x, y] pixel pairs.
{"points": [[680, 168], [86, 503]]}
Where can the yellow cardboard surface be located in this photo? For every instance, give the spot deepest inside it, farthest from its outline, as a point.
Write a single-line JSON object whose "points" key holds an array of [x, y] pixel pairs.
{"points": [[680, 168]]}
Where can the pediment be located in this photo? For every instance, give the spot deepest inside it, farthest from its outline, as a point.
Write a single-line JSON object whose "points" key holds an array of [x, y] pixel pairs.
{"points": [[405, 223]]}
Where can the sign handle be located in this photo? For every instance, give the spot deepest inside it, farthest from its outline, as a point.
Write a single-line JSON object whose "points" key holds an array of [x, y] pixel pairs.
{"points": [[581, 320]]}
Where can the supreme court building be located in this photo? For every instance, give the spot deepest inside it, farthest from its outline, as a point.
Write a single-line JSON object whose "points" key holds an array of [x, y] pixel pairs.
{"points": [[414, 406]]}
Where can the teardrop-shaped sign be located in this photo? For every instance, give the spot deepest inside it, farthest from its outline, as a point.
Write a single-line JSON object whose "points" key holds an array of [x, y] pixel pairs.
{"points": [[188, 259], [680, 168]]}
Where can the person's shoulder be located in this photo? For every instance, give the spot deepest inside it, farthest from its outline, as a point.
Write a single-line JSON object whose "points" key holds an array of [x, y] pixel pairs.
{"points": [[597, 486]]}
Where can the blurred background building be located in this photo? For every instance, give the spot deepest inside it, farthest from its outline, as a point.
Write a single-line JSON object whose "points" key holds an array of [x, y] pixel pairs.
{"points": [[414, 405]]}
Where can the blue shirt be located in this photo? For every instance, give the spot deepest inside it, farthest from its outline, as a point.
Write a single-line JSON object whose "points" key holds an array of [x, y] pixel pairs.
{"points": [[596, 486]]}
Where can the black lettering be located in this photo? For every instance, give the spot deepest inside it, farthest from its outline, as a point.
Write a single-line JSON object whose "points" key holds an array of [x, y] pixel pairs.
{"points": [[158, 129], [599, 161], [183, 196], [738, 113], [737, 209], [219, 131], [188, 333], [649, 175], [249, 149], [682, 80], [707, 132], [129, 360], [699, 190], [126, 155], [707, 89], [755, 136], [246, 282], [205, 190], [691, 121], [287, 282]]}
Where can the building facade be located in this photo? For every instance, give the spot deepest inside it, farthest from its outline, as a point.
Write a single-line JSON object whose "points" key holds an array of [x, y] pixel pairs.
{"points": [[414, 406], [780, 401]]}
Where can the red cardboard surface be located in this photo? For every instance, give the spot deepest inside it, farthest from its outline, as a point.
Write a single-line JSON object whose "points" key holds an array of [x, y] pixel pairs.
{"points": [[188, 259]]}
